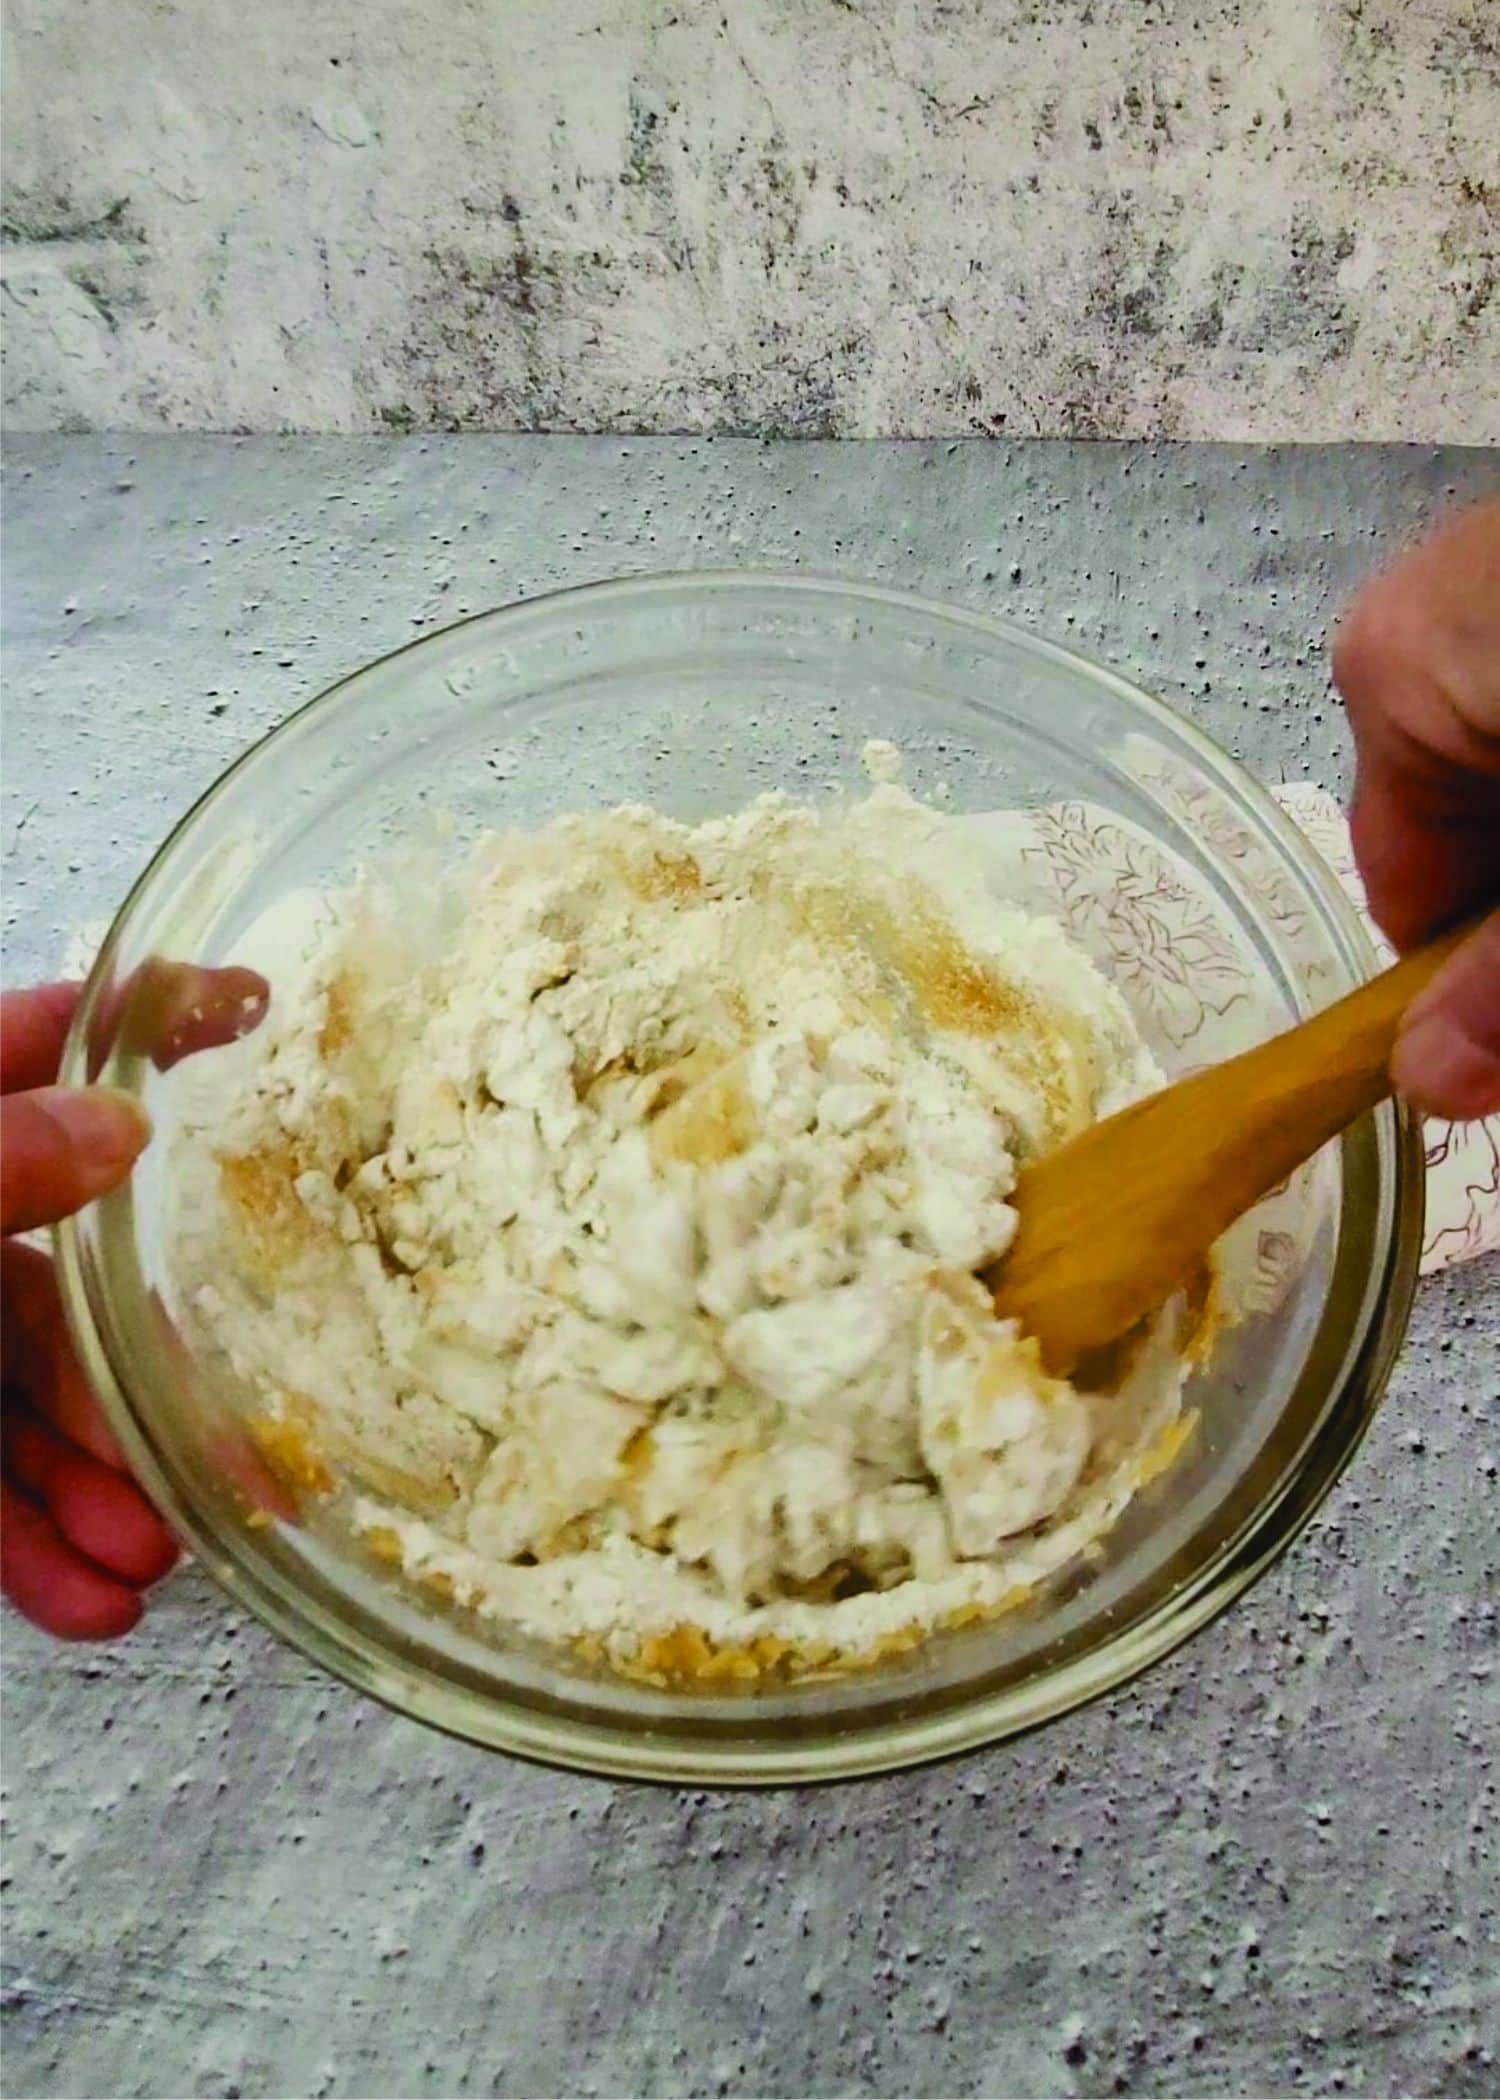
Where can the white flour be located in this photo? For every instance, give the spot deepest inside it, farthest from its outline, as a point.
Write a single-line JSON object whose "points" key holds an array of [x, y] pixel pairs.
{"points": [[611, 1233]]}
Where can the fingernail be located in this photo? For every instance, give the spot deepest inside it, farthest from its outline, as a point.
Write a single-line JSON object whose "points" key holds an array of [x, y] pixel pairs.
{"points": [[1444, 1070], [103, 1125]]}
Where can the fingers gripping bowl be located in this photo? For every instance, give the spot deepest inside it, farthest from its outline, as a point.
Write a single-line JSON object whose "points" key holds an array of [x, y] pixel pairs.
{"points": [[690, 696]]}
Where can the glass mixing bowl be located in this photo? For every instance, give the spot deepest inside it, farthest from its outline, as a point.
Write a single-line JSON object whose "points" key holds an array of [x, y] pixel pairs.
{"points": [[694, 693]]}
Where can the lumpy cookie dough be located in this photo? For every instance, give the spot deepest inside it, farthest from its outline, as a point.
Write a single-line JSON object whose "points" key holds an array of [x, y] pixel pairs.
{"points": [[605, 1245]]}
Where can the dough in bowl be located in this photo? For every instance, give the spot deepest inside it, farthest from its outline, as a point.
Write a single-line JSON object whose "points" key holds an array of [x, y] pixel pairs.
{"points": [[597, 1231]]}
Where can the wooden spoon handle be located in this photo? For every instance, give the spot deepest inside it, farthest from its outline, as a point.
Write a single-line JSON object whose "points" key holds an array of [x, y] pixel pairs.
{"points": [[1307, 1085]]}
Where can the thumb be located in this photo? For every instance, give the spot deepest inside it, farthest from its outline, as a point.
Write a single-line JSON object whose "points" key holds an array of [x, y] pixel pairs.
{"points": [[60, 1147], [1448, 1057]]}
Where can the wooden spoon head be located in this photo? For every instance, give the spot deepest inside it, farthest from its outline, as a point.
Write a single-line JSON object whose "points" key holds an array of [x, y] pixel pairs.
{"points": [[1116, 1221], [1100, 1244]]}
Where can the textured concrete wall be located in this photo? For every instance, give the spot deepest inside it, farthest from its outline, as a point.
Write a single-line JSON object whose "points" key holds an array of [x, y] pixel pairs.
{"points": [[1267, 1867], [1184, 218]]}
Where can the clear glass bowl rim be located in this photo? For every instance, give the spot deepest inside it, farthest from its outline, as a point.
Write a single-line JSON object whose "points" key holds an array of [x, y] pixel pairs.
{"points": [[375, 1668]]}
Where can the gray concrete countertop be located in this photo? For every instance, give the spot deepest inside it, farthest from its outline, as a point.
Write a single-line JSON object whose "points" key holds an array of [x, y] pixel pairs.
{"points": [[1268, 1866]]}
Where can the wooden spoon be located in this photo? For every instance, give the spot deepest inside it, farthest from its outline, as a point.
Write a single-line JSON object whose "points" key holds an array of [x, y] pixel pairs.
{"points": [[1117, 1219]]}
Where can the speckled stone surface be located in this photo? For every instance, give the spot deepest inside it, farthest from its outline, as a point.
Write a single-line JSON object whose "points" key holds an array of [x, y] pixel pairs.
{"points": [[1239, 219], [1269, 1866]]}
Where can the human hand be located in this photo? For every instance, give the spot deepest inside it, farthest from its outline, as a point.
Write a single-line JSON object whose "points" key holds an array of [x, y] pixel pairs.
{"points": [[78, 1540], [1417, 659]]}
